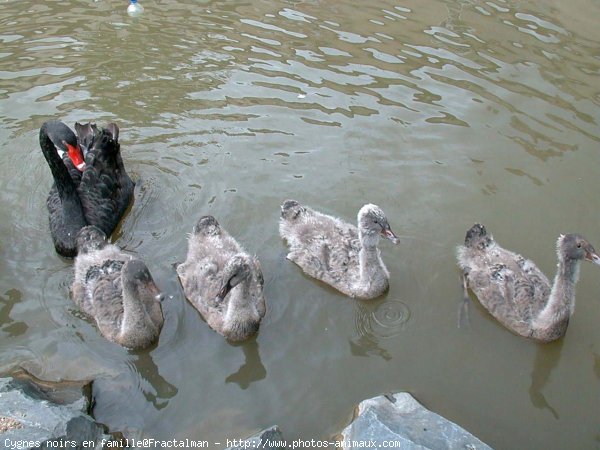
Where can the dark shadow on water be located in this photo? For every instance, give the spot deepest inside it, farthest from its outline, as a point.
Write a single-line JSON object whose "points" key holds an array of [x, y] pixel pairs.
{"points": [[124, 402], [118, 401], [546, 359], [366, 346], [7, 325], [252, 369], [163, 390]]}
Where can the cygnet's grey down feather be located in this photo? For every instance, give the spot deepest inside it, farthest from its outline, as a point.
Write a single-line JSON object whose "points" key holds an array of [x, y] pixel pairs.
{"points": [[222, 281], [515, 291], [116, 290], [336, 252]]}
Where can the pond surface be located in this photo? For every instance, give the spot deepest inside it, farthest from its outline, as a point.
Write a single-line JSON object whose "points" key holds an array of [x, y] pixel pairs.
{"points": [[442, 112]]}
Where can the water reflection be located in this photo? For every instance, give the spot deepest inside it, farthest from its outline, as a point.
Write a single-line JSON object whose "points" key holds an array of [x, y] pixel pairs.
{"points": [[146, 380], [161, 390], [366, 346], [7, 325], [252, 369], [546, 359]]}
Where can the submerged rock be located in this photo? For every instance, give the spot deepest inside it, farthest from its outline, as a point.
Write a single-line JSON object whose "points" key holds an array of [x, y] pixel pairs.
{"points": [[269, 438], [37, 414], [399, 421]]}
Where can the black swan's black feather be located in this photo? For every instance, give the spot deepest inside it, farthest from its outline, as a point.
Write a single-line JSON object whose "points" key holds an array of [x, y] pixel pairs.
{"points": [[97, 196]]}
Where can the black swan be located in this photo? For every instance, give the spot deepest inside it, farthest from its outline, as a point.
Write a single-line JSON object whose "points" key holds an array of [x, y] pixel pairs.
{"points": [[116, 290], [90, 187], [222, 281], [336, 252], [515, 291]]}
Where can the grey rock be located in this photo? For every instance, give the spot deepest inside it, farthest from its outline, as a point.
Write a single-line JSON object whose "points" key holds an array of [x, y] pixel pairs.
{"points": [[268, 438], [403, 420], [35, 415]]}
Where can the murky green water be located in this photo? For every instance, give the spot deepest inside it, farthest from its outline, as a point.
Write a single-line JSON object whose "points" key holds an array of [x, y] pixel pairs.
{"points": [[442, 112]]}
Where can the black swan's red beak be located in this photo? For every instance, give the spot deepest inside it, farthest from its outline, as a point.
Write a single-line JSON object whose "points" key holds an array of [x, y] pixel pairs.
{"points": [[75, 155]]}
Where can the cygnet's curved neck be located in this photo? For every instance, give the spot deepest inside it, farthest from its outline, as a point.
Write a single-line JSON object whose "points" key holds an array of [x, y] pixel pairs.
{"points": [[561, 301], [368, 239], [372, 272], [239, 296], [135, 317]]}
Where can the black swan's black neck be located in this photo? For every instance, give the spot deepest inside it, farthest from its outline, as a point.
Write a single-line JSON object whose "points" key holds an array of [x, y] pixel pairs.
{"points": [[64, 183]]}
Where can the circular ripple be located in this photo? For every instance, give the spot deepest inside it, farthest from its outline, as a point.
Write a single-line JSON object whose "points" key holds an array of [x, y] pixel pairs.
{"points": [[387, 320]]}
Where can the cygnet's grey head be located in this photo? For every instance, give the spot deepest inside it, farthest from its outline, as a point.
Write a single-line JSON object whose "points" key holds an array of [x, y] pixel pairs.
{"points": [[89, 239], [574, 247], [478, 237], [373, 222], [207, 225], [291, 209], [237, 270]]}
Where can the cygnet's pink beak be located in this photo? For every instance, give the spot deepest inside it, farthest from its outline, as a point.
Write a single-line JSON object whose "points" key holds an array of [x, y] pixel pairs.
{"points": [[389, 234], [592, 257]]}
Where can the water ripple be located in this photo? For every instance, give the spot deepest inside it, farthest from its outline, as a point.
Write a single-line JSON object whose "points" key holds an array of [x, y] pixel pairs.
{"points": [[386, 320]]}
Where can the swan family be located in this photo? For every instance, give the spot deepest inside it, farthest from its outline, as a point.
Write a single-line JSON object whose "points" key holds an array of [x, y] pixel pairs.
{"points": [[225, 284]]}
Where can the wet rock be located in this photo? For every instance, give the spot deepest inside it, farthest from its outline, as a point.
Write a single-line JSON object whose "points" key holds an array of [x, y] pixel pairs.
{"points": [[38, 414], [403, 420], [269, 438]]}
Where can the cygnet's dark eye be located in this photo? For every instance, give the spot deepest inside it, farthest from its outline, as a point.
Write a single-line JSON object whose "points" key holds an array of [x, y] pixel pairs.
{"points": [[579, 245]]}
